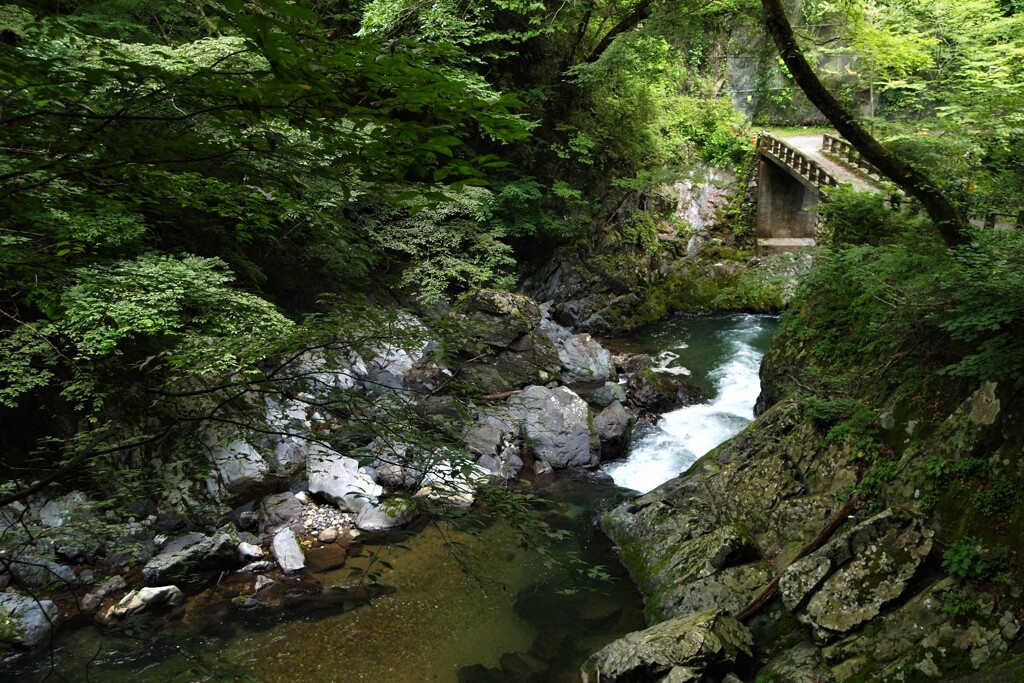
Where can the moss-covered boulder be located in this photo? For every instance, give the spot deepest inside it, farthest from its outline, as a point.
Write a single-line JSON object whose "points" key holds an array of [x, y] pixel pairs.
{"points": [[26, 624], [686, 649], [504, 347]]}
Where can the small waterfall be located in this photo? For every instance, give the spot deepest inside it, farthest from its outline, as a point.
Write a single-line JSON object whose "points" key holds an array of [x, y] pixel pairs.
{"points": [[682, 436]]}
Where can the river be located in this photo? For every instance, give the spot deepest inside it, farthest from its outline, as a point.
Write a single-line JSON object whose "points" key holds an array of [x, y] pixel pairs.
{"points": [[503, 614]]}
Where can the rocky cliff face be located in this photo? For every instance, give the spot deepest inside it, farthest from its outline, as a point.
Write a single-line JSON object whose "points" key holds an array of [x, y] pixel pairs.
{"points": [[910, 582], [655, 254]]}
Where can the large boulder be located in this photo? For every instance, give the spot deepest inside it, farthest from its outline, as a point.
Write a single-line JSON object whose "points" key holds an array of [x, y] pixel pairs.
{"points": [[33, 572], [391, 367], [287, 418], [339, 479], [499, 318], [516, 350], [25, 624], [59, 511], [584, 360], [681, 650], [556, 426], [192, 558], [236, 466], [655, 393], [530, 359], [398, 466]]}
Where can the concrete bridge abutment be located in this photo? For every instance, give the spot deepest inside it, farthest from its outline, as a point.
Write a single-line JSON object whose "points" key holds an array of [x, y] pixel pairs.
{"points": [[784, 204]]}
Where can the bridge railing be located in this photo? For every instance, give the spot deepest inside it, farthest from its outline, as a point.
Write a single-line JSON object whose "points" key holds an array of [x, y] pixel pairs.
{"points": [[992, 218], [844, 151], [805, 167]]}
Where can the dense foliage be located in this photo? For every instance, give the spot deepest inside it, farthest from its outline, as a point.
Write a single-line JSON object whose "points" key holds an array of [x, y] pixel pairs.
{"points": [[182, 185]]}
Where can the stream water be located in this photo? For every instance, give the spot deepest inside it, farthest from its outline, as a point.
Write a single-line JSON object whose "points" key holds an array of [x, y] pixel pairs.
{"points": [[721, 354], [508, 617]]}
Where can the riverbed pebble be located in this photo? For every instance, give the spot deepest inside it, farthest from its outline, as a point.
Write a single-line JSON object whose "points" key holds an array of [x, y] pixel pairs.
{"points": [[317, 518], [329, 535]]}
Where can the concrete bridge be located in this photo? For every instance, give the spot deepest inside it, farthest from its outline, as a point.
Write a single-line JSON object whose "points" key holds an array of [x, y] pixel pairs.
{"points": [[792, 174]]}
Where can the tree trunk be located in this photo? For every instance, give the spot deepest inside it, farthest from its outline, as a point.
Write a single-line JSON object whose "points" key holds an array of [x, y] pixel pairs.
{"points": [[950, 224]]}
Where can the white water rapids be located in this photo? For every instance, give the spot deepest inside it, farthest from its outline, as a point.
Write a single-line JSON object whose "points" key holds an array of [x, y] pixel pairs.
{"points": [[682, 436]]}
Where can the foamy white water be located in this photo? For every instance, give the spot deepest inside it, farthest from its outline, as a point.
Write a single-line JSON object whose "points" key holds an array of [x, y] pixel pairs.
{"points": [[682, 436]]}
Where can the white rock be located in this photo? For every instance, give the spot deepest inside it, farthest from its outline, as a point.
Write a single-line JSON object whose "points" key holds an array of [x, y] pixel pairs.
{"points": [[147, 598], [555, 424], [248, 552], [287, 551], [302, 497], [329, 535], [339, 480], [59, 511], [324, 371], [261, 583]]}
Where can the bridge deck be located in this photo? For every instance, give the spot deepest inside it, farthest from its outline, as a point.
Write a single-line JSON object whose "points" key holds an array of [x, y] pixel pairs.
{"points": [[810, 146]]}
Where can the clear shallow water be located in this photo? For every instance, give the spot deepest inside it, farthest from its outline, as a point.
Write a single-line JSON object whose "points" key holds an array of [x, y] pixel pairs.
{"points": [[721, 354], [436, 619]]}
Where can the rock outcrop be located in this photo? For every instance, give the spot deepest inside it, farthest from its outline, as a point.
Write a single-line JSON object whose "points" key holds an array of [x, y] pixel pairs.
{"points": [[867, 601], [849, 581]]}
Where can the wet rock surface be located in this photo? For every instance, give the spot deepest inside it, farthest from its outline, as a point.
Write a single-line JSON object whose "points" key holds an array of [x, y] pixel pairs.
{"points": [[852, 578], [869, 604]]}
